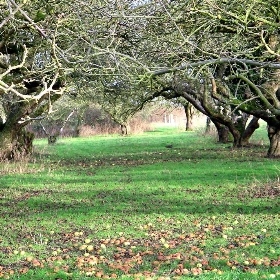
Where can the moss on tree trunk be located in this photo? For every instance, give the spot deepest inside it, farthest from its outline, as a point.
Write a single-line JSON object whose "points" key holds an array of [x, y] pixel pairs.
{"points": [[223, 132], [15, 144]]}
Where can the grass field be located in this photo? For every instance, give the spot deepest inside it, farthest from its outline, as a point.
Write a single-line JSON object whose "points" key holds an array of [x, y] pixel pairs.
{"points": [[130, 208]]}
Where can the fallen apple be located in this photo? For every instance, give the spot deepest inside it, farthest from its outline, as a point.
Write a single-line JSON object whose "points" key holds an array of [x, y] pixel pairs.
{"points": [[90, 248], [83, 247]]}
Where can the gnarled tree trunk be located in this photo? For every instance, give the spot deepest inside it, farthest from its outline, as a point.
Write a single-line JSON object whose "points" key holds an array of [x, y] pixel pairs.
{"points": [[208, 127], [241, 133], [52, 138], [123, 129], [14, 143], [189, 116], [250, 129], [223, 132], [274, 138]]}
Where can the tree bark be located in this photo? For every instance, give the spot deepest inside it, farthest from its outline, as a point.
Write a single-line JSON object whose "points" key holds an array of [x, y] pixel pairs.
{"points": [[78, 125], [250, 129], [208, 128], [237, 128], [236, 137], [242, 134], [52, 139], [189, 116], [274, 138], [15, 141], [223, 132], [15, 144], [123, 129]]}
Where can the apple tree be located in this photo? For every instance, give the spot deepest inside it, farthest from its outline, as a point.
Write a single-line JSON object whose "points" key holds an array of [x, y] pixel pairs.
{"points": [[49, 49], [31, 75], [222, 56]]}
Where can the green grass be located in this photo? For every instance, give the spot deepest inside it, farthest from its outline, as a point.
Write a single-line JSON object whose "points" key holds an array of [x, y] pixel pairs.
{"points": [[197, 210]]}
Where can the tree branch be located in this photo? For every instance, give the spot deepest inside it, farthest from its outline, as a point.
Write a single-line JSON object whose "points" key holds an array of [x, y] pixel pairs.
{"points": [[30, 20], [242, 103], [257, 91], [267, 46], [8, 17], [10, 68], [224, 60]]}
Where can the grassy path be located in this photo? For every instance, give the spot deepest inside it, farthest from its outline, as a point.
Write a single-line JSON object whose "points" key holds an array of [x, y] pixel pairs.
{"points": [[129, 208]]}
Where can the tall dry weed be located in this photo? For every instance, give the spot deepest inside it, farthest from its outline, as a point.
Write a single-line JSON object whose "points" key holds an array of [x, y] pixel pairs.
{"points": [[21, 164]]}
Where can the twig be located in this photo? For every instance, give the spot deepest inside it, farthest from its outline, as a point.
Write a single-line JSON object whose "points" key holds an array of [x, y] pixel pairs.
{"points": [[16, 66], [29, 19], [267, 46], [215, 61], [69, 116], [8, 17], [28, 119], [247, 100]]}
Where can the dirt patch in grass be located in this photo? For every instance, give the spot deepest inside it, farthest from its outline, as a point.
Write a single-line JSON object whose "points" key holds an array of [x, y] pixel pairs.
{"points": [[269, 190]]}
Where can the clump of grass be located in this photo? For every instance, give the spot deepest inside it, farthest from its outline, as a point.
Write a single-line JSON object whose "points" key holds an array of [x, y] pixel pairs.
{"points": [[23, 165], [269, 189]]}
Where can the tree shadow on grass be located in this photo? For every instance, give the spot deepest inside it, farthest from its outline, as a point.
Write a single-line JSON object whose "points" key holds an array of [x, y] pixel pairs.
{"points": [[140, 191], [115, 202], [131, 187], [156, 152]]}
